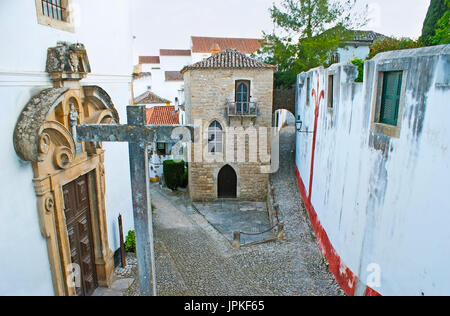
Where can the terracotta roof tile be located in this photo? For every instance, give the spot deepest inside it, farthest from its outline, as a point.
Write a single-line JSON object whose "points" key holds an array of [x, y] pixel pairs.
{"points": [[175, 52], [149, 60], [205, 44], [174, 76], [140, 75], [149, 97], [230, 58], [162, 115]]}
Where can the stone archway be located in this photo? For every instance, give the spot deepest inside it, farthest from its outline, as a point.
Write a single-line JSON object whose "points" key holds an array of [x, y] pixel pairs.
{"points": [[227, 183], [283, 118]]}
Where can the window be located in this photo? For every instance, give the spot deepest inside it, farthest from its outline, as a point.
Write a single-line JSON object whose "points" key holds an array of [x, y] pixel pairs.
{"points": [[55, 13], [330, 102], [215, 139], [334, 58], [242, 96], [161, 149], [53, 9], [390, 97]]}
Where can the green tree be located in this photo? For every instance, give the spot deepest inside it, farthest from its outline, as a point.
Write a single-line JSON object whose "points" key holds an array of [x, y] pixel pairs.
{"points": [[312, 30], [436, 11], [442, 35], [391, 43]]}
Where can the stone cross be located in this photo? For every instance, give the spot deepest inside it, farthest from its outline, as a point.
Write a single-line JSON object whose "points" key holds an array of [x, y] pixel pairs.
{"points": [[138, 135]]}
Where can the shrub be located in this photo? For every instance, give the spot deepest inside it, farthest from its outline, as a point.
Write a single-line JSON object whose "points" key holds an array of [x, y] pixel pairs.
{"points": [[130, 242], [360, 64], [173, 173], [390, 43], [185, 179]]}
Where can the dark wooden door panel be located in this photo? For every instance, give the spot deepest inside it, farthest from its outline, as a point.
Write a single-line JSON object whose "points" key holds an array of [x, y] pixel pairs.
{"points": [[79, 229], [227, 183]]}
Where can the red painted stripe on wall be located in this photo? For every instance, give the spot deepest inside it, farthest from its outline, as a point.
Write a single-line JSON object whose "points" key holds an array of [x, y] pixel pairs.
{"points": [[344, 276]]}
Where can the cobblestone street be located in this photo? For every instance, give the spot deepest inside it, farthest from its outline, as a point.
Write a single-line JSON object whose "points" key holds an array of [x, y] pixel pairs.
{"points": [[195, 259]]}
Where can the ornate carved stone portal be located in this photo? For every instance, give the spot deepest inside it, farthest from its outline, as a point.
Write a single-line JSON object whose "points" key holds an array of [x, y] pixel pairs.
{"points": [[44, 136]]}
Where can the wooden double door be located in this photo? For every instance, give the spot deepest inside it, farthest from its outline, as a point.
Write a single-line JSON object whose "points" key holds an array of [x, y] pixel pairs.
{"points": [[79, 229]]}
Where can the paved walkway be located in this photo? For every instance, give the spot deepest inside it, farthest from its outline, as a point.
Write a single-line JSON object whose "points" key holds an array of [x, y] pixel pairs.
{"points": [[193, 258], [249, 218]]}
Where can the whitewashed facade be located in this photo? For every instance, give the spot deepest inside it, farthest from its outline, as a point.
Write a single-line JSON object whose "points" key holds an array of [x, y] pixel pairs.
{"points": [[160, 76], [377, 192]]}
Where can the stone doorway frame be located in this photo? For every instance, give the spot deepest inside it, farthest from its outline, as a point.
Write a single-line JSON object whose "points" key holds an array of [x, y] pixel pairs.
{"points": [[42, 136], [50, 202]]}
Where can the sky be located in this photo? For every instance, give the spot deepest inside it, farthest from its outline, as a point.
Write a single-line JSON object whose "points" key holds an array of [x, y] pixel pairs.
{"points": [[170, 23]]}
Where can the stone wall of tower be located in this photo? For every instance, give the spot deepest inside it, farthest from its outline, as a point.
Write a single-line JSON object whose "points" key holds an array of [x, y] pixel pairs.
{"points": [[207, 92]]}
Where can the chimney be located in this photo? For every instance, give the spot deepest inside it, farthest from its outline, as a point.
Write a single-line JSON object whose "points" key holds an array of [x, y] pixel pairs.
{"points": [[215, 49]]}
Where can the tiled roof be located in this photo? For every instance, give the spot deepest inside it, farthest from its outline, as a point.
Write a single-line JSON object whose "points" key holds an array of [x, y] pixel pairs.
{"points": [[230, 58], [174, 76], [140, 75], [149, 97], [162, 115], [174, 52], [366, 36], [205, 44], [149, 60]]}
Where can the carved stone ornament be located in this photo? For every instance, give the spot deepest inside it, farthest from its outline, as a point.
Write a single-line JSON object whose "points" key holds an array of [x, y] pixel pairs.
{"points": [[68, 62], [49, 204], [33, 135], [44, 143], [63, 157]]}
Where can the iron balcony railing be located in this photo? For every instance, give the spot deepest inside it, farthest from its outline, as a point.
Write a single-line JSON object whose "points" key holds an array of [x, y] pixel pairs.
{"points": [[249, 109]]}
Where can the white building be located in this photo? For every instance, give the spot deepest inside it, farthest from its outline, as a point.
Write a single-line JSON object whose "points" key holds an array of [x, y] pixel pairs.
{"points": [[161, 74], [356, 47], [89, 83], [162, 151]]}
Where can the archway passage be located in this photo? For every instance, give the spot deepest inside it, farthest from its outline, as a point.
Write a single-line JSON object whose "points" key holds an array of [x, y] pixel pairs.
{"points": [[283, 118], [227, 183]]}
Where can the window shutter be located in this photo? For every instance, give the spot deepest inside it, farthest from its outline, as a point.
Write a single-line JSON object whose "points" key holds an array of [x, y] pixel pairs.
{"points": [[390, 102]]}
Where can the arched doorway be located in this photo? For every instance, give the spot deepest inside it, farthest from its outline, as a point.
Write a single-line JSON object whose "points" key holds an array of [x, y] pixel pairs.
{"points": [[227, 183], [283, 118], [69, 183]]}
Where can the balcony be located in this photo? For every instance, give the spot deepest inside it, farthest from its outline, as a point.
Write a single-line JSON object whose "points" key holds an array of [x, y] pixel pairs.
{"points": [[242, 109]]}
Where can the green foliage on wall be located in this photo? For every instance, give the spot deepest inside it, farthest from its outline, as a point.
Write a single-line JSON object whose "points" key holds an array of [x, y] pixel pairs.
{"points": [[174, 173], [390, 43], [360, 64]]}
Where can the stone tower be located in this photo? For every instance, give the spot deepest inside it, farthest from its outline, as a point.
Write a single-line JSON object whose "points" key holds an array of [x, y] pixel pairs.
{"points": [[229, 98]]}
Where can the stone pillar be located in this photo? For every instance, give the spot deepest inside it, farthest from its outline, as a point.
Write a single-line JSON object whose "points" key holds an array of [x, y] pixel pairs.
{"points": [[236, 240]]}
